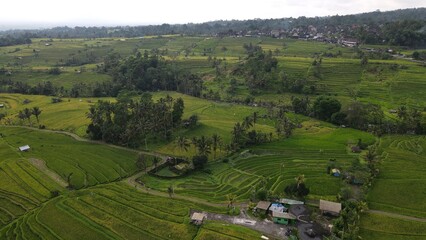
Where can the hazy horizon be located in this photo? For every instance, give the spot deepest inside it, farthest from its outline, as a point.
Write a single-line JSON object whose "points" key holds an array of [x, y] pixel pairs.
{"points": [[48, 13]]}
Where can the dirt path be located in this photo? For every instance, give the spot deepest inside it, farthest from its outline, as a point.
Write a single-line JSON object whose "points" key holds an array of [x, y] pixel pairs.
{"points": [[41, 165], [396, 215]]}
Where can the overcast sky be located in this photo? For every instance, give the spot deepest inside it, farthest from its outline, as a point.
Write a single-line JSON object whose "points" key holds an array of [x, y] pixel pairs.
{"points": [[47, 13]]}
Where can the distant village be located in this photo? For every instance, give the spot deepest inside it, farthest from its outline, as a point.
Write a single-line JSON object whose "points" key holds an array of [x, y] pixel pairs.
{"points": [[328, 34]]}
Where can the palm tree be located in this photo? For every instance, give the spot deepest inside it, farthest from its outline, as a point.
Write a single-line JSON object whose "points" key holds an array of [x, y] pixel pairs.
{"points": [[171, 191], [21, 116], [182, 143], [247, 122], [300, 179], [194, 141], [402, 112], [216, 142], [203, 146], [28, 113], [36, 112], [238, 133], [231, 199], [254, 119]]}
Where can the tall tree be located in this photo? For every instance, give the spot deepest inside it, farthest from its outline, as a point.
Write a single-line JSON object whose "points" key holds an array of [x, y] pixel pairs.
{"points": [[36, 112], [300, 179], [203, 146], [28, 113], [216, 142], [183, 143], [21, 116], [170, 191], [254, 118], [231, 199]]}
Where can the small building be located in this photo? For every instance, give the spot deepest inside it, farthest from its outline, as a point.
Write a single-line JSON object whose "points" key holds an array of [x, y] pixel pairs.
{"points": [[283, 218], [1, 105], [198, 218], [277, 207], [262, 207], [289, 202], [24, 148], [335, 172], [333, 208]]}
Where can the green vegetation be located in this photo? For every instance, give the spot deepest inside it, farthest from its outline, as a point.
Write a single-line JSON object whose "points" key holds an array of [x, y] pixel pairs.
{"points": [[274, 165], [112, 211], [216, 230], [243, 131], [375, 226], [400, 178], [84, 164]]}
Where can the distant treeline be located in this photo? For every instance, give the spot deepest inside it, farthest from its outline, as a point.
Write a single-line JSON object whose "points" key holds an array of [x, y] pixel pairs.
{"points": [[401, 27], [10, 40], [141, 72]]}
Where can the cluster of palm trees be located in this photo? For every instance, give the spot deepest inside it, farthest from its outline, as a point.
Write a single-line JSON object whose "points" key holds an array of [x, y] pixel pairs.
{"points": [[245, 133], [203, 145], [27, 113]]}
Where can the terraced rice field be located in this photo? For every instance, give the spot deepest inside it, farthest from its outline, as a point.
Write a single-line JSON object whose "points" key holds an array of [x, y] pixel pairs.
{"points": [[402, 177], [114, 211], [88, 163], [401, 180], [374, 226], [277, 164], [22, 187]]}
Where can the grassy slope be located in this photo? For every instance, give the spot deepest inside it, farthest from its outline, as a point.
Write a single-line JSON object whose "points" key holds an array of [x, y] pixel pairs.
{"points": [[89, 163]]}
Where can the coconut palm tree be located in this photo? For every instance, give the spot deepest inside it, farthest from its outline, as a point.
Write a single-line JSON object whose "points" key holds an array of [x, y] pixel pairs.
{"points": [[203, 146], [231, 199], [28, 113], [216, 142], [170, 191], [183, 143], [247, 122], [21, 116], [36, 112], [300, 179], [254, 119]]}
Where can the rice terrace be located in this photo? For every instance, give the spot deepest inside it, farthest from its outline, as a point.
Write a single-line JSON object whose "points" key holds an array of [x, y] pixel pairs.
{"points": [[274, 128]]}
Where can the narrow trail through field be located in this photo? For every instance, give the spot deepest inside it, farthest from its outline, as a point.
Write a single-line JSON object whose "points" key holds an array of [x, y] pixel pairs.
{"points": [[41, 165], [396, 215]]}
